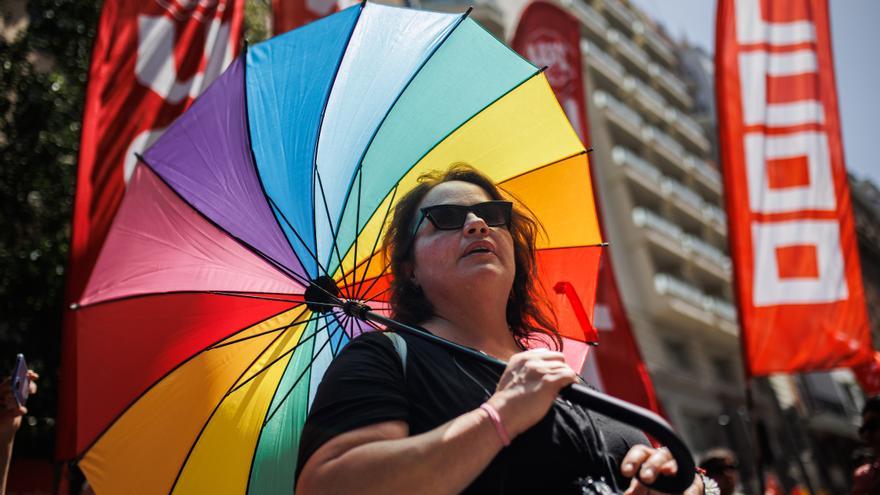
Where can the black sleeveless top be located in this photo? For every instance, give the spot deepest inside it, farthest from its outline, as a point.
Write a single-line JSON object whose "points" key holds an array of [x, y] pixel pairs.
{"points": [[366, 384]]}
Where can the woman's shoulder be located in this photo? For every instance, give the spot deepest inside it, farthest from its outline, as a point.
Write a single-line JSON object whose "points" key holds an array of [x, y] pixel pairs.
{"points": [[368, 345]]}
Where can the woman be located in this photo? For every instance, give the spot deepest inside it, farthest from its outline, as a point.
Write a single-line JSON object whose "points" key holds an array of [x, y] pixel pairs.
{"points": [[419, 418]]}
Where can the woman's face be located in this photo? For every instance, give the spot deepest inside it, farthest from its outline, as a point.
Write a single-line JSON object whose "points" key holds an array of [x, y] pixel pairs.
{"points": [[447, 262]]}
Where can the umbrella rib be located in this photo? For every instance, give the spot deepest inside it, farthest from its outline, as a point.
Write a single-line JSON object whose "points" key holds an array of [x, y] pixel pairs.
{"points": [[462, 124], [267, 332], [376, 296], [357, 216], [391, 108], [327, 318], [545, 165], [332, 228], [377, 327], [581, 152], [472, 117], [274, 206], [321, 126], [295, 383], [375, 281], [268, 365], [333, 297], [163, 377], [251, 295], [263, 298], [217, 408], [347, 328], [378, 236], [295, 233], [268, 259], [248, 295]]}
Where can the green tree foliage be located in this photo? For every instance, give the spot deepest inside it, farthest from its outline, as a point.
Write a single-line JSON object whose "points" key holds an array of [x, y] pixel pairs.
{"points": [[257, 20], [43, 75]]}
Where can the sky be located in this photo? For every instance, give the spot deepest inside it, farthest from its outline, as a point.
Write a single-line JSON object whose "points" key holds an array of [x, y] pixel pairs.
{"points": [[855, 40]]}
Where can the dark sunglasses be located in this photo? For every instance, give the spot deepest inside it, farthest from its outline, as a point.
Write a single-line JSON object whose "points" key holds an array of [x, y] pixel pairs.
{"points": [[452, 217]]}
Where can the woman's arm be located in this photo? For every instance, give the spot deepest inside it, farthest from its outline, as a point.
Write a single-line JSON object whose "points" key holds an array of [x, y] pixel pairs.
{"points": [[382, 458], [10, 419]]}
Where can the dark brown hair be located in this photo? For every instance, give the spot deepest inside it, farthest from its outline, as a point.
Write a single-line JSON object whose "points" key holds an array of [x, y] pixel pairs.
{"points": [[527, 310]]}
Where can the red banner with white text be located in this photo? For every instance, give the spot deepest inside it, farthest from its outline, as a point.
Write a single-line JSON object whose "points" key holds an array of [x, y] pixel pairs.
{"points": [[150, 60], [792, 236], [550, 37]]}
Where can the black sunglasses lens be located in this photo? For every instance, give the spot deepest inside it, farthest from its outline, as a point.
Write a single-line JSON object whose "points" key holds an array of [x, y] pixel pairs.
{"points": [[495, 214], [447, 217], [452, 217]]}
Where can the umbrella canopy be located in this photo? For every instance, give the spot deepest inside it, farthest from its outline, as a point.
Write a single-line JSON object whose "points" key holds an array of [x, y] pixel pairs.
{"points": [[198, 353]]}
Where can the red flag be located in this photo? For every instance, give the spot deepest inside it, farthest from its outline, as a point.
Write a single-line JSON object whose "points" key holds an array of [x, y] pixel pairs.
{"points": [[150, 60], [550, 37], [793, 243], [291, 14]]}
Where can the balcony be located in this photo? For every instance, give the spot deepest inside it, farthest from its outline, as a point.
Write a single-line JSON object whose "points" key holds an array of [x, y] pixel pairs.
{"points": [[706, 174], [671, 84], [656, 43], [669, 285], [652, 221], [678, 242], [648, 98], [588, 16], [637, 168], [693, 302], [620, 12], [688, 128], [716, 218], [603, 63], [660, 231], [619, 113], [686, 199], [663, 145], [629, 50], [708, 257], [723, 309]]}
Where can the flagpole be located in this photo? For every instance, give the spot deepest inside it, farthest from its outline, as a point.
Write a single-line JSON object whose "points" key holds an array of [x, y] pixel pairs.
{"points": [[756, 439]]}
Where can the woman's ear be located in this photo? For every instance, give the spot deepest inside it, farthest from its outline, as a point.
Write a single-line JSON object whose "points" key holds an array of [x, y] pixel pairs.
{"points": [[408, 268]]}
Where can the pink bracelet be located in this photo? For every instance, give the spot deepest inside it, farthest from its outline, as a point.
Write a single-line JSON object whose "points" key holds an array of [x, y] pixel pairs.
{"points": [[496, 420]]}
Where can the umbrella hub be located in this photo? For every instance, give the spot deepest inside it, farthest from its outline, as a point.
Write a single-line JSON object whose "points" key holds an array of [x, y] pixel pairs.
{"points": [[322, 294]]}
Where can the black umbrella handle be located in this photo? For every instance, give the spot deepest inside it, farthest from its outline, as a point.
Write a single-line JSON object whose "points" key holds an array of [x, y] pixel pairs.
{"points": [[612, 407], [645, 420]]}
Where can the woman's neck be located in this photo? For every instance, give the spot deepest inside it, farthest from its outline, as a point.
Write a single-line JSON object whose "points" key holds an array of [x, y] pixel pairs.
{"points": [[482, 330]]}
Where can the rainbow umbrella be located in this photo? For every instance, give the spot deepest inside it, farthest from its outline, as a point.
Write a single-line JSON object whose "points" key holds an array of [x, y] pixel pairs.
{"points": [[199, 347]]}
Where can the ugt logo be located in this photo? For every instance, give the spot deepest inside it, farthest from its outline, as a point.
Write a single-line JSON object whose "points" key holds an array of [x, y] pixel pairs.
{"points": [[181, 49]]}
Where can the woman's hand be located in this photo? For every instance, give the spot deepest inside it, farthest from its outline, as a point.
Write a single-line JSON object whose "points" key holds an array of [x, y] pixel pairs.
{"points": [[528, 386], [10, 411], [645, 464]]}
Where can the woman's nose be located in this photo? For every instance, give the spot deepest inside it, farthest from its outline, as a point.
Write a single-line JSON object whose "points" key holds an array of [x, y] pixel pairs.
{"points": [[474, 224]]}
